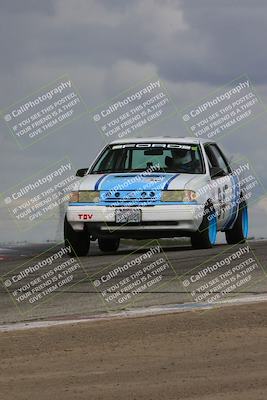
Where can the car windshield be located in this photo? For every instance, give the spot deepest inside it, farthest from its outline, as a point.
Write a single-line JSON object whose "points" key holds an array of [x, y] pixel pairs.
{"points": [[170, 157]]}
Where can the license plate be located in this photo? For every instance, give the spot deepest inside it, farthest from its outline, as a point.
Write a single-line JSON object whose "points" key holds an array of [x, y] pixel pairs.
{"points": [[128, 215]]}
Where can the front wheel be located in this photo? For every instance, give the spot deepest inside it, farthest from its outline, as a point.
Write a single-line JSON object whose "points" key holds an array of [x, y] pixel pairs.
{"points": [[206, 235], [79, 241], [108, 244], [239, 231]]}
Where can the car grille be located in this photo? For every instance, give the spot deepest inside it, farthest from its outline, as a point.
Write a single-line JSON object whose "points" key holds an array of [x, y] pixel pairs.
{"points": [[130, 197]]}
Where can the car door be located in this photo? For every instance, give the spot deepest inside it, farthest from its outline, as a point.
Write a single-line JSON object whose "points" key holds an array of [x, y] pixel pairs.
{"points": [[224, 185]]}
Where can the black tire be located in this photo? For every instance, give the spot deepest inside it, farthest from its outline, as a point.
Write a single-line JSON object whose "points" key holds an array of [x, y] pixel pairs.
{"points": [[79, 241], [201, 238], [236, 234], [108, 245]]}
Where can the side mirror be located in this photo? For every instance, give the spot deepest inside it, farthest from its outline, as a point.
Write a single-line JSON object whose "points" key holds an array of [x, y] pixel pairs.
{"points": [[216, 172], [81, 172]]}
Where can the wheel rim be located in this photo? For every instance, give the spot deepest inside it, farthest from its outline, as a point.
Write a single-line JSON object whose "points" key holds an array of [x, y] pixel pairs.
{"points": [[213, 228], [245, 222]]}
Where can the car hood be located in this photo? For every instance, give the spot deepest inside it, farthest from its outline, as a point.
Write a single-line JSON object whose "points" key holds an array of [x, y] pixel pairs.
{"points": [[138, 181]]}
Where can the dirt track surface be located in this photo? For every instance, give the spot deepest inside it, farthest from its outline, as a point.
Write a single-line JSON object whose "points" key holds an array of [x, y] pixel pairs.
{"points": [[218, 354]]}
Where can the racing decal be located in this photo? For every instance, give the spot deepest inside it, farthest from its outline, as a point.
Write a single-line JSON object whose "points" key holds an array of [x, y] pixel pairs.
{"points": [[169, 181], [163, 145], [99, 181], [152, 179], [133, 182], [235, 203], [85, 217], [222, 201]]}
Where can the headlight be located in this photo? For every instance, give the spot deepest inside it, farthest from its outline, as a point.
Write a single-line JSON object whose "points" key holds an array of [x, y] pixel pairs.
{"points": [[74, 197], [178, 195], [84, 196]]}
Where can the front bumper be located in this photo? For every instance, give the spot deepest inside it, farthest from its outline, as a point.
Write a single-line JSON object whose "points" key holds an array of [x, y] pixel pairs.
{"points": [[182, 217]]}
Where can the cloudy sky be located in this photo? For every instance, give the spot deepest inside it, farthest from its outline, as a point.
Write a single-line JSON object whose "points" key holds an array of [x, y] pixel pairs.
{"points": [[106, 46]]}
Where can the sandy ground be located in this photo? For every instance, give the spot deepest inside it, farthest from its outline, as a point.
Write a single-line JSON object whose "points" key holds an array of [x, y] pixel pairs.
{"points": [[218, 354]]}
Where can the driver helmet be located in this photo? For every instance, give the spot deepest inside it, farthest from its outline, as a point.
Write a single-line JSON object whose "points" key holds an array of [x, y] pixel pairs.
{"points": [[180, 156]]}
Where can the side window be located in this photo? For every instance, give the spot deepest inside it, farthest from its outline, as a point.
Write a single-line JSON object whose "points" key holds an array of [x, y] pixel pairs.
{"points": [[216, 159]]}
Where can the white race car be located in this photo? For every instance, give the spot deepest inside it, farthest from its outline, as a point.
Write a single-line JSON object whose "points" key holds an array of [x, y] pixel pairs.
{"points": [[156, 188]]}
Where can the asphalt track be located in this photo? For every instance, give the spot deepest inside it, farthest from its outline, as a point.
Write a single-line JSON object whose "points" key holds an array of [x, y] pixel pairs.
{"points": [[81, 299]]}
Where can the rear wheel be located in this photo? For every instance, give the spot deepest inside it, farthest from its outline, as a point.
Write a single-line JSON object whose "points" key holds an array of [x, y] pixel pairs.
{"points": [[79, 241], [239, 232], [206, 235], [108, 244]]}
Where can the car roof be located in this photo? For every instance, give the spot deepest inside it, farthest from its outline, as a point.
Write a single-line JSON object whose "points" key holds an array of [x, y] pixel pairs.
{"points": [[160, 139]]}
